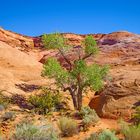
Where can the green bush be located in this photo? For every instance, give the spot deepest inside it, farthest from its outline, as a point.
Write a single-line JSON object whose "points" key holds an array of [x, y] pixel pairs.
{"points": [[89, 117], [136, 116], [131, 132], [107, 135], [33, 132], [45, 102], [93, 136], [68, 126], [104, 135]]}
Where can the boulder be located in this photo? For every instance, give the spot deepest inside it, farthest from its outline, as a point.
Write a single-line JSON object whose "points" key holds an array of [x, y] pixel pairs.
{"points": [[121, 96]]}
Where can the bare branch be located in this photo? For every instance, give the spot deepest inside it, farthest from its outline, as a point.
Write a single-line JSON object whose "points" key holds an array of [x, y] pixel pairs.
{"points": [[65, 58], [87, 56]]}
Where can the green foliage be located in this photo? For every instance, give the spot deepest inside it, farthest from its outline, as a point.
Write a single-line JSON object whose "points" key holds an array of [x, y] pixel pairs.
{"points": [[93, 136], [107, 135], [89, 117], [45, 102], [54, 41], [104, 135], [136, 115], [94, 75], [87, 111], [68, 126], [53, 69], [91, 76], [131, 132], [33, 132], [79, 68], [90, 45]]}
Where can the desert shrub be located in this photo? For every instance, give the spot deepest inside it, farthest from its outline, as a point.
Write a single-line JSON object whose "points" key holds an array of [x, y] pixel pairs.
{"points": [[104, 135], [68, 126], [32, 132], [130, 132], [93, 136], [45, 102], [89, 117], [4, 101], [8, 116], [107, 135], [136, 116]]}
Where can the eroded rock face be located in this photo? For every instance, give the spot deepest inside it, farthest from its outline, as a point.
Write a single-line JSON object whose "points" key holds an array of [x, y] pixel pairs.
{"points": [[16, 40], [121, 96], [117, 37], [18, 68]]}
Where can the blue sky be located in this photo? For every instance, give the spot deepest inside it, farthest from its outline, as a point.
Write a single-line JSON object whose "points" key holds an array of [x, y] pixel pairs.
{"points": [[35, 17]]}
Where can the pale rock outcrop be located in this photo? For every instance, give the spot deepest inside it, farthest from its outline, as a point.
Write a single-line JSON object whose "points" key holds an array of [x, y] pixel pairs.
{"points": [[16, 40], [17, 68], [121, 95]]}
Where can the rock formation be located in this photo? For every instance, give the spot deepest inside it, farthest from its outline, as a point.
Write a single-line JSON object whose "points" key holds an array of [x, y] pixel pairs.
{"points": [[122, 94], [20, 58], [16, 40]]}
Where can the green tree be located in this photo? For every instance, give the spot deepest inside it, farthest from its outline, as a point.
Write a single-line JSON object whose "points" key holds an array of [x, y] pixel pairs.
{"points": [[78, 75]]}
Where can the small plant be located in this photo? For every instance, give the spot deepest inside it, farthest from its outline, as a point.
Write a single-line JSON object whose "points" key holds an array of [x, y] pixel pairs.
{"points": [[104, 135], [68, 126], [93, 136], [45, 102], [136, 116], [131, 132], [33, 132], [89, 117], [107, 135]]}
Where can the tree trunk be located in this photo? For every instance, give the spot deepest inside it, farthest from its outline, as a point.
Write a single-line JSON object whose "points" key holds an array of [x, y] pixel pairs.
{"points": [[74, 99], [79, 98], [75, 102]]}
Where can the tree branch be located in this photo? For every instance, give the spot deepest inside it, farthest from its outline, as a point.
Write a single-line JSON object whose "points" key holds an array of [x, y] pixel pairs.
{"points": [[78, 52], [65, 58], [87, 56]]}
